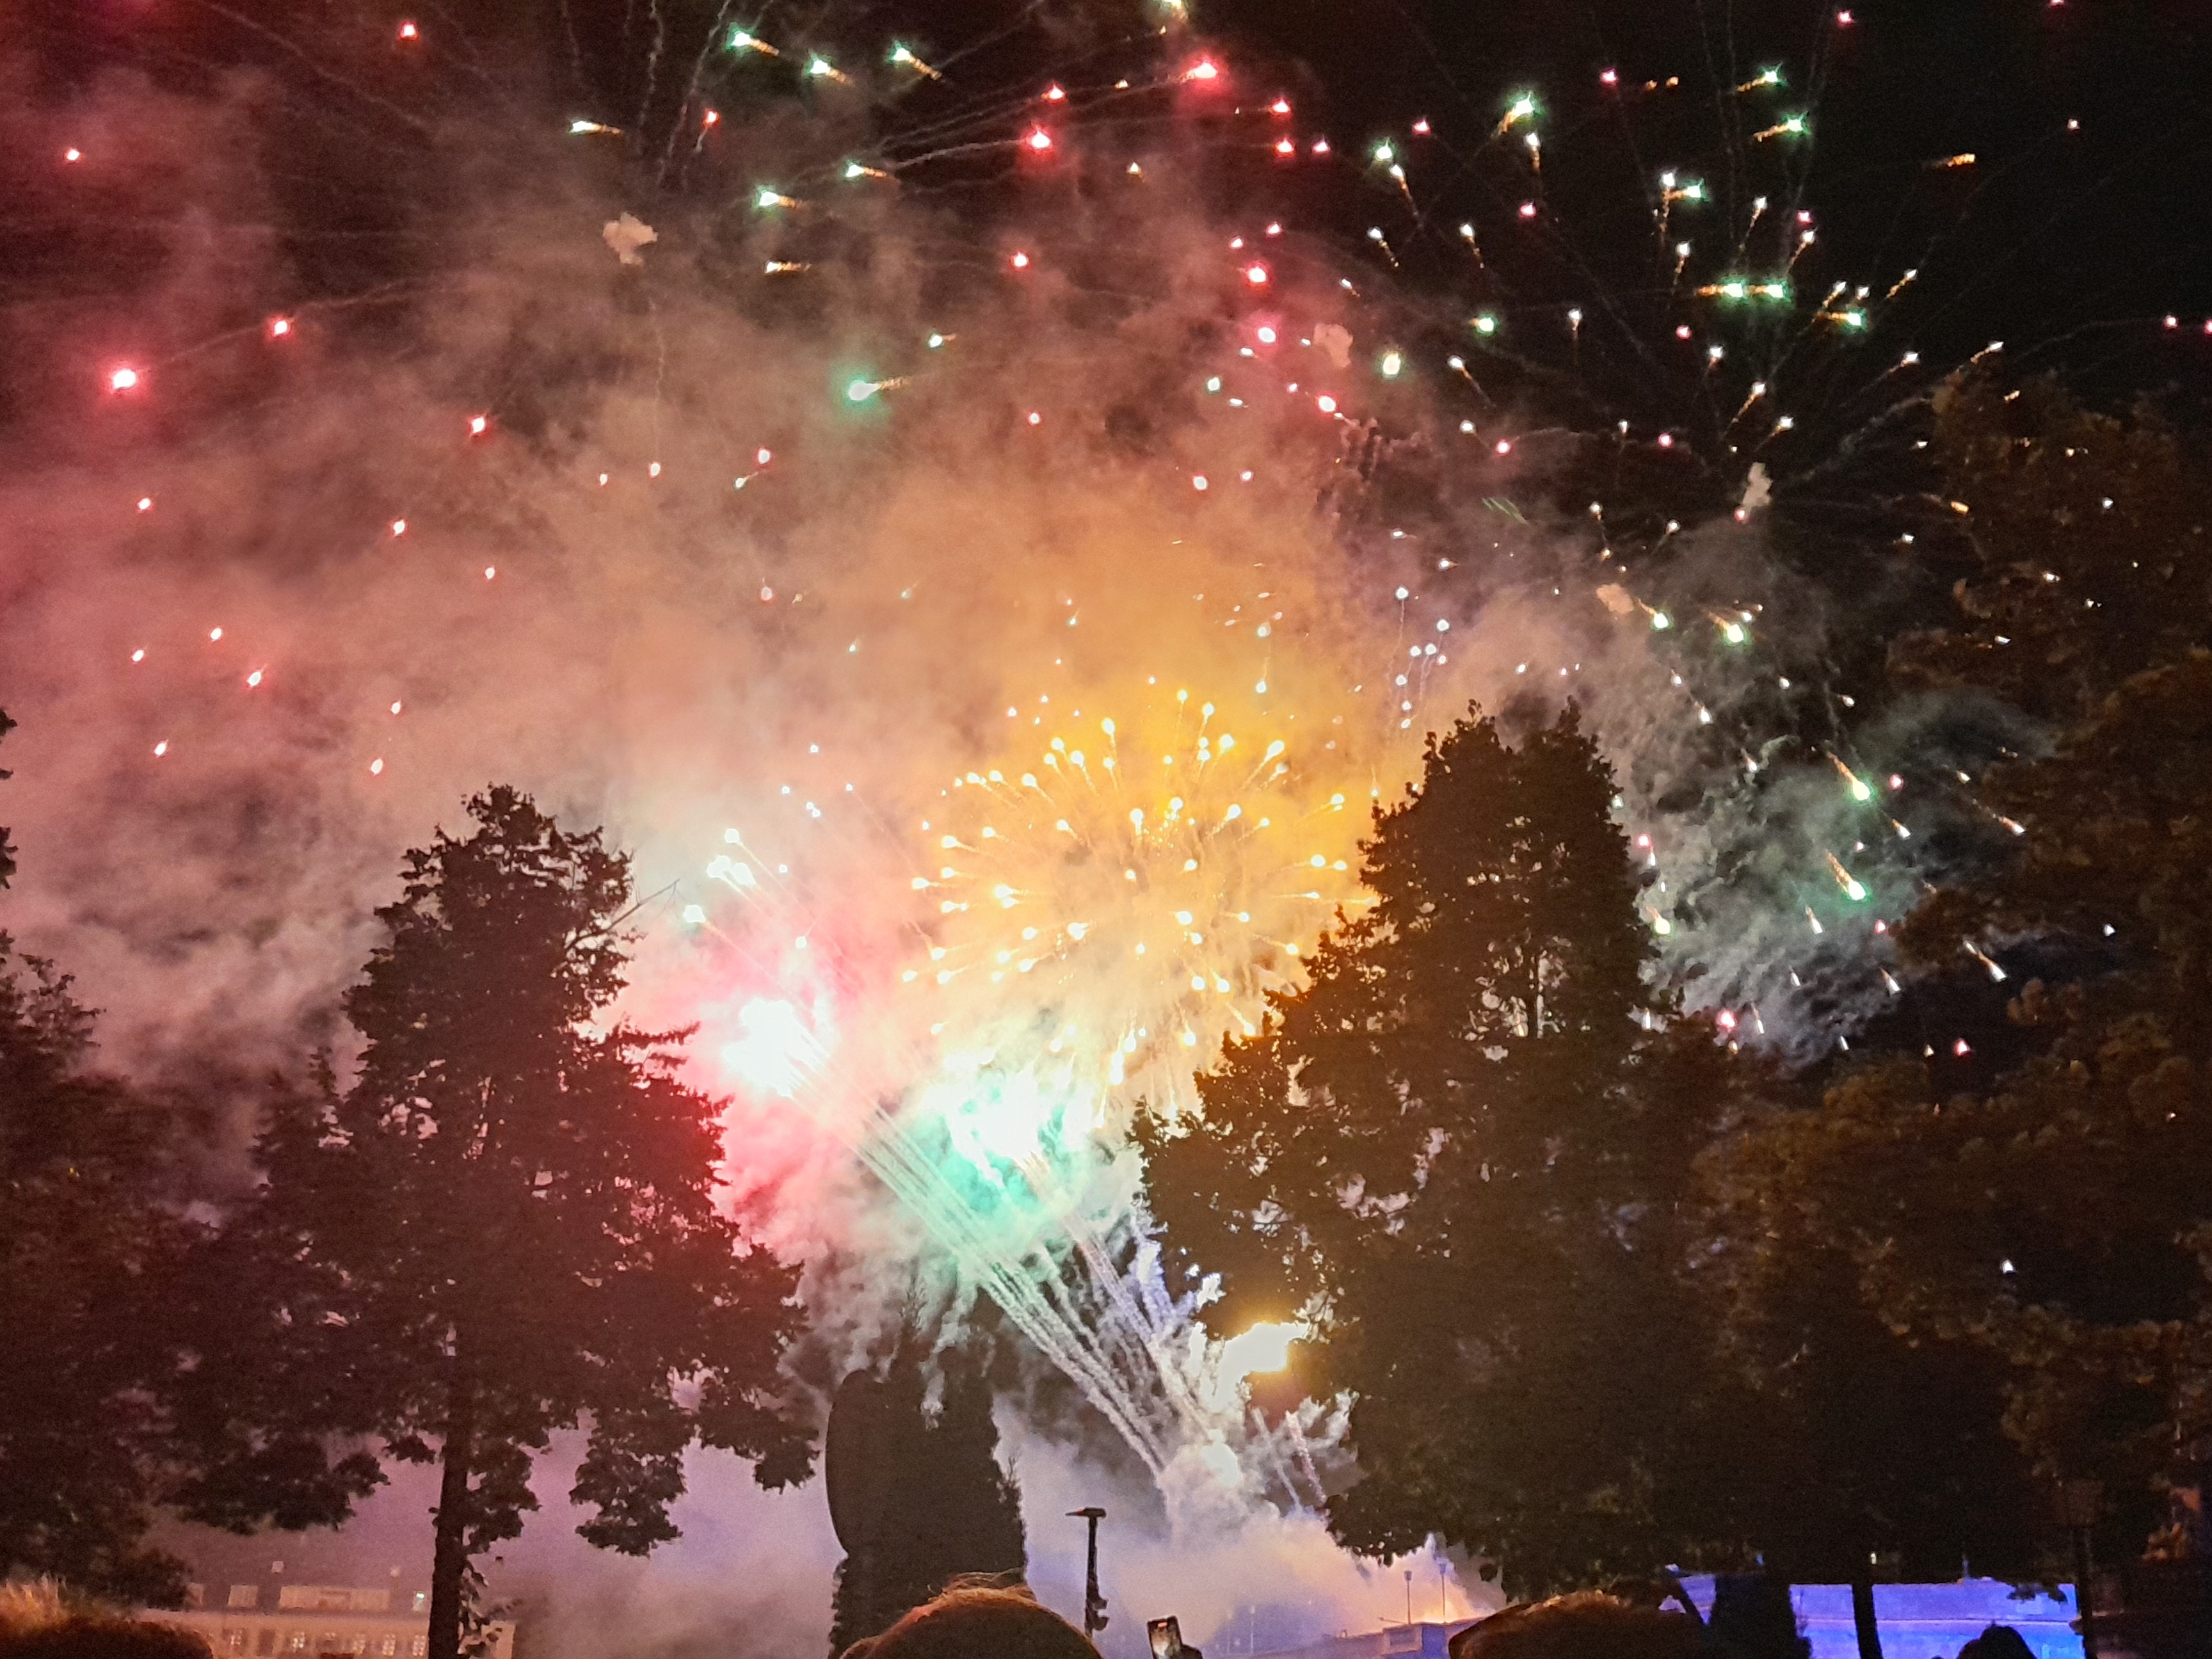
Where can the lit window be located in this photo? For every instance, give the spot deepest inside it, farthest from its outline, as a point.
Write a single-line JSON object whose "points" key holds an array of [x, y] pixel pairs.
{"points": [[298, 1642], [390, 1646], [418, 1647], [235, 1640]]}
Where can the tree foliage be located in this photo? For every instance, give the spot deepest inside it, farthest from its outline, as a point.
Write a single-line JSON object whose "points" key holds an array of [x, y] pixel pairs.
{"points": [[1464, 1153], [1495, 1173], [112, 1394], [1885, 1441], [508, 1225], [929, 1501], [2061, 1218], [2052, 1224], [7, 847], [2088, 547], [89, 1246]]}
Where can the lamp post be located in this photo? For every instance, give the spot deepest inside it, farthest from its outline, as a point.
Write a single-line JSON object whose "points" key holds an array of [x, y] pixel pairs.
{"points": [[1094, 1604]]}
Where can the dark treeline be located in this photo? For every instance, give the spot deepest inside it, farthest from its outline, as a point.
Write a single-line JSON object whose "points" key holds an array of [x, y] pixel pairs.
{"points": [[506, 1224], [1613, 1295], [915, 1489]]}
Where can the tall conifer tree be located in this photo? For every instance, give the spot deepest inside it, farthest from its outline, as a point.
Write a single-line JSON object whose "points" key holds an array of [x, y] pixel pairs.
{"points": [[509, 1224], [1462, 1152]]}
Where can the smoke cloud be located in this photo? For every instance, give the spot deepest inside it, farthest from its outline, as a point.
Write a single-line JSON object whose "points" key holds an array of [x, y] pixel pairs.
{"points": [[767, 540]]}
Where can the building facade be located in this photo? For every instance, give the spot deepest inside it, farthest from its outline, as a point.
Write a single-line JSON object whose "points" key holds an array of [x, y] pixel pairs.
{"points": [[319, 1621]]}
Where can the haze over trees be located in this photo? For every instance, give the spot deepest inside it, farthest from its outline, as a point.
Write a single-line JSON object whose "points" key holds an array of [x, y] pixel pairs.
{"points": [[507, 1225], [916, 1490], [89, 1246], [103, 1399]]}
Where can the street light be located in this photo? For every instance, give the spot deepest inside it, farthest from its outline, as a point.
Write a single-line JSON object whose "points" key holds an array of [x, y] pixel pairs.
{"points": [[1094, 1604]]}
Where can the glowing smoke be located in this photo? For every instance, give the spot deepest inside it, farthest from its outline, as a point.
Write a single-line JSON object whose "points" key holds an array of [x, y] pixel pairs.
{"points": [[607, 519]]}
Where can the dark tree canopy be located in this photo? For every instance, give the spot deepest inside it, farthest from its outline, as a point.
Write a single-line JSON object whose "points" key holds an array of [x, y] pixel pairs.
{"points": [[507, 1225], [108, 1390], [1881, 1443], [922, 1500], [7, 847], [2050, 1226], [2089, 542], [1487, 1163], [1464, 1153], [2061, 1220], [1446, 1039], [89, 1245]]}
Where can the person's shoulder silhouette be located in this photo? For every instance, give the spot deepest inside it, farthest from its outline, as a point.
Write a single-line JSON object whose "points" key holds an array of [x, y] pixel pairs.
{"points": [[1998, 1642], [978, 1624]]}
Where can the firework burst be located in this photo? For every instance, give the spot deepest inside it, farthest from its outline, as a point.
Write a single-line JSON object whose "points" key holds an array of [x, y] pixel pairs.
{"points": [[1113, 903]]}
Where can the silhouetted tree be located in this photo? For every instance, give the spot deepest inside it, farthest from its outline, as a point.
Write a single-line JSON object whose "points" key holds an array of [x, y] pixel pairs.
{"points": [[508, 1225], [1465, 1152], [7, 847], [2048, 1228], [2060, 1220], [2089, 542], [88, 1248], [1883, 1445], [103, 1398], [923, 1500]]}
